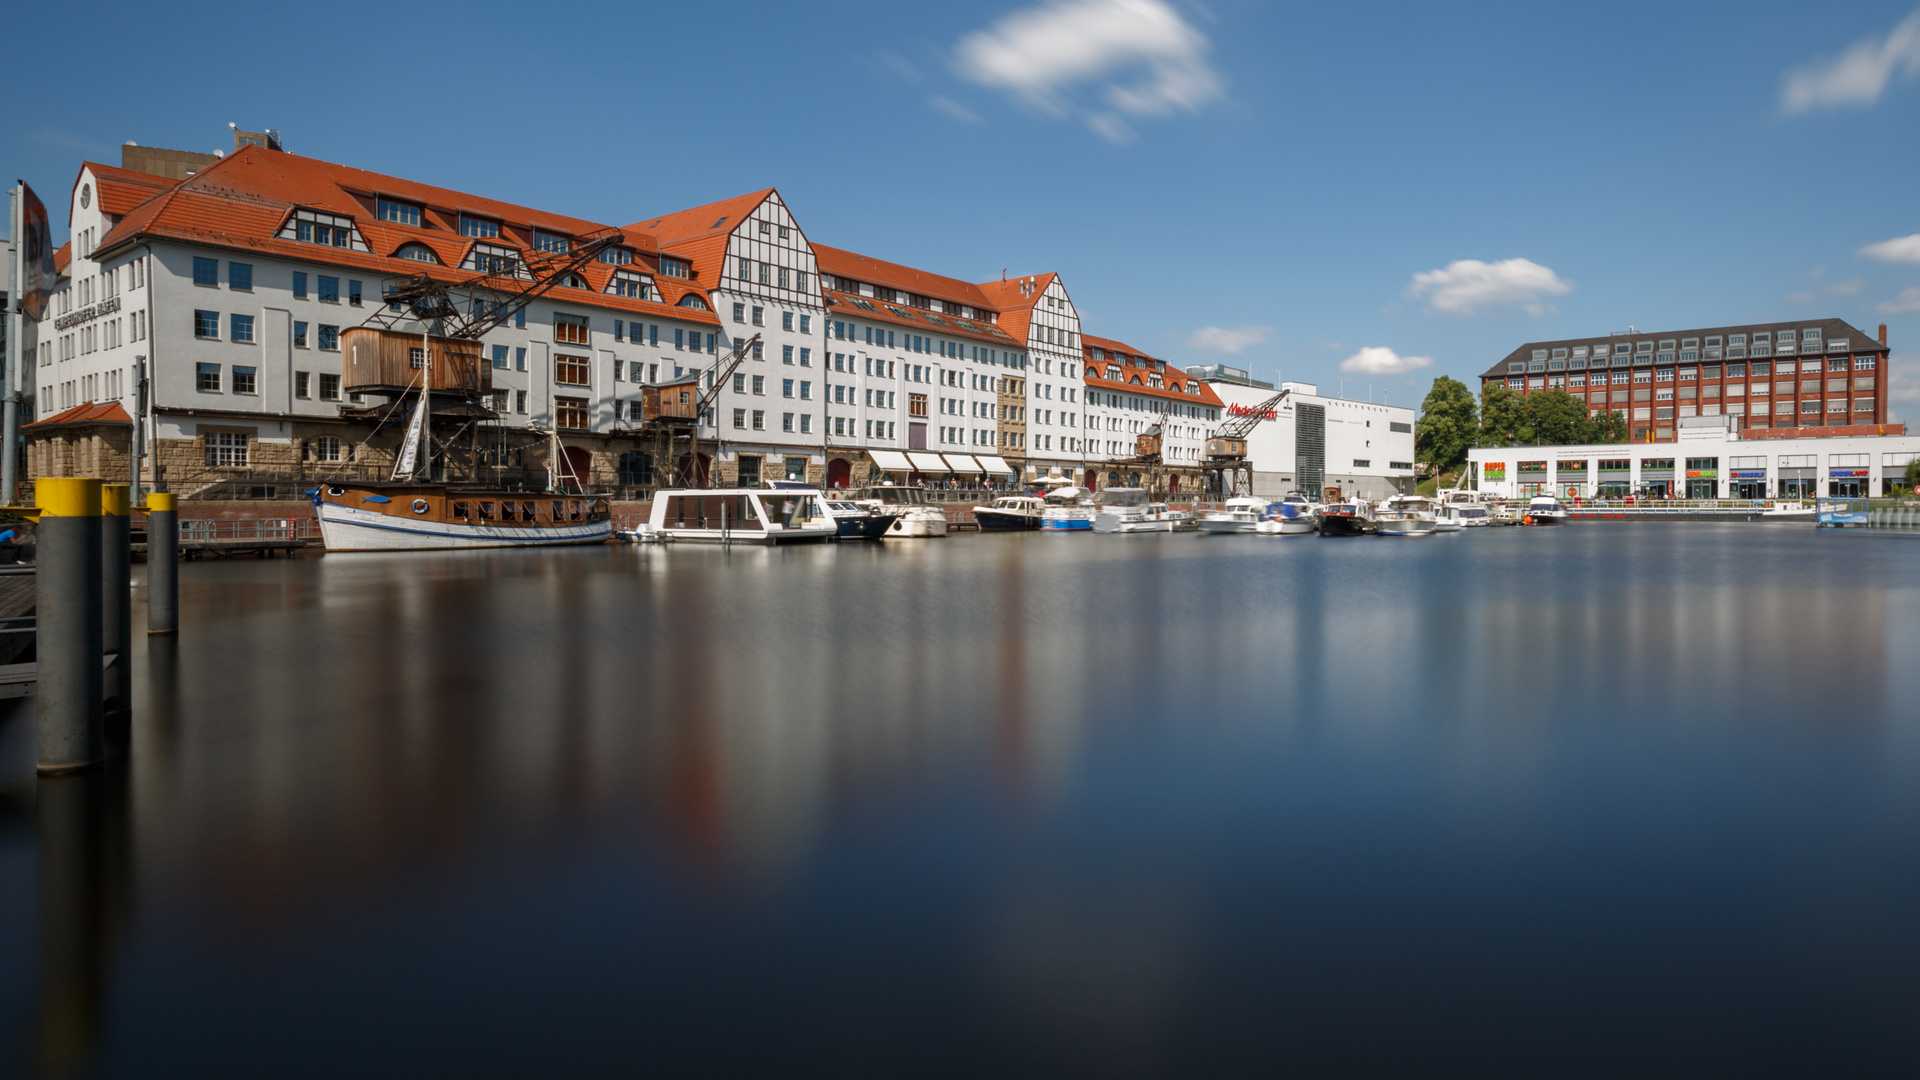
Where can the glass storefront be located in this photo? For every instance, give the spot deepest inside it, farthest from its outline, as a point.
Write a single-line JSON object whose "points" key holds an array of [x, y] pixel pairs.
{"points": [[1797, 487]]}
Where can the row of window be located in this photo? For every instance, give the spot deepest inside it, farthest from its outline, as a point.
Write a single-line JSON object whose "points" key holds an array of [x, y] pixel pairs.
{"points": [[756, 420], [1689, 349]]}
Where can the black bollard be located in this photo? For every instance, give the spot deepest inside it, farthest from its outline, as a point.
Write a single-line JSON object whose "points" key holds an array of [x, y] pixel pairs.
{"points": [[163, 564], [116, 598], [67, 643]]}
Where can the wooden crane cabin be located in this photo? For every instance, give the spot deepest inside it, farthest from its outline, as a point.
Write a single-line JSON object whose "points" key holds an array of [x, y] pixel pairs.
{"points": [[390, 361]]}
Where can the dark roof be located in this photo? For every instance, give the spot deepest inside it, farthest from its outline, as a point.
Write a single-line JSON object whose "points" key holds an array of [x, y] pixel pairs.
{"points": [[1829, 329]]}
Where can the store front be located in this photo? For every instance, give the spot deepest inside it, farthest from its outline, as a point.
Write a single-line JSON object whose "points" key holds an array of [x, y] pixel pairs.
{"points": [[1531, 479], [1703, 478], [1848, 483], [1570, 478], [1656, 478], [1749, 483]]}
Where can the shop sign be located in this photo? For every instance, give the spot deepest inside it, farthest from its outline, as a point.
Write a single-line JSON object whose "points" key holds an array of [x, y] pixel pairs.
{"points": [[1703, 474], [1494, 470], [1848, 474], [1749, 474]]}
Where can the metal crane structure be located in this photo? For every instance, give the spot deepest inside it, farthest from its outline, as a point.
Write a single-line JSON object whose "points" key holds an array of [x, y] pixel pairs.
{"points": [[673, 412], [434, 322], [1226, 462]]}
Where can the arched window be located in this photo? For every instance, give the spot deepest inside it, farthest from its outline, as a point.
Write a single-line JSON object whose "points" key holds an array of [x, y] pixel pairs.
{"points": [[418, 253], [694, 302], [575, 281], [1135, 380]]}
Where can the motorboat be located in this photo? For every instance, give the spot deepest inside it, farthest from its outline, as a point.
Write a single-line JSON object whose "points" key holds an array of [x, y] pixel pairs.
{"points": [[1066, 509], [1406, 515], [1352, 517], [1452, 516], [1544, 510], [1471, 509], [1289, 517], [1240, 514], [1129, 510], [858, 521], [1010, 513], [427, 517], [742, 515], [918, 517]]}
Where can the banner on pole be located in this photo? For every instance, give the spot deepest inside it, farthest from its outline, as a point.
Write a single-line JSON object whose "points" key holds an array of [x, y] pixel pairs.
{"points": [[35, 255]]}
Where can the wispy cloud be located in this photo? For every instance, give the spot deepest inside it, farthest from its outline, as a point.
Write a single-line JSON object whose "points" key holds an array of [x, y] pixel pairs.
{"points": [[1907, 303], [1899, 249], [1135, 59], [1466, 286], [1231, 340], [1802, 297], [954, 109], [1380, 360], [1856, 77], [1847, 288], [899, 65]]}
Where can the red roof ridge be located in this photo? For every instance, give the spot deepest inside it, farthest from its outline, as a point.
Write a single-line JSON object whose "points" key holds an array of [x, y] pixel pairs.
{"points": [[91, 412]]}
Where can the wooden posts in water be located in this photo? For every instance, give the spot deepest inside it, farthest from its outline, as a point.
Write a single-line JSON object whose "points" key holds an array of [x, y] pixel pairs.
{"points": [[68, 639], [163, 564], [116, 597]]}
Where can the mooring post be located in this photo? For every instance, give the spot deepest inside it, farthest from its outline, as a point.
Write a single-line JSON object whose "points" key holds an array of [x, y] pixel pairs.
{"points": [[67, 642], [163, 564], [116, 595]]}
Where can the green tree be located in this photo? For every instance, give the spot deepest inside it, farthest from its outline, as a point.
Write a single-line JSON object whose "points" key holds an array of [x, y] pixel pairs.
{"points": [[1449, 424], [1608, 427], [1559, 418], [1504, 418], [1913, 476]]}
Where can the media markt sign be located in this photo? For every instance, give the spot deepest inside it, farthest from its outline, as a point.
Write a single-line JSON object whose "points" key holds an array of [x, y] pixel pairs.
{"points": [[1494, 470]]}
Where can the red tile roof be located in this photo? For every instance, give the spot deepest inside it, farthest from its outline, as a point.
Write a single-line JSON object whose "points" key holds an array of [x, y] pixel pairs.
{"points": [[848, 264], [243, 200], [700, 234], [846, 305], [116, 191], [1015, 300], [1131, 363], [91, 413], [62, 257]]}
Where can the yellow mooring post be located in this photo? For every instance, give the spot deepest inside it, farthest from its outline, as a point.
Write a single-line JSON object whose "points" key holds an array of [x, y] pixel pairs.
{"points": [[67, 642], [163, 564], [116, 597]]}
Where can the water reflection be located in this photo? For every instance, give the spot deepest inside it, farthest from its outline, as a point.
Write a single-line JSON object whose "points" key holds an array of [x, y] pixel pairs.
{"points": [[1114, 805]]}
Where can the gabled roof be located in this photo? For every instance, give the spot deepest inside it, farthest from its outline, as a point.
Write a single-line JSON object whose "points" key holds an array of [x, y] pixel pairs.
{"points": [[1861, 342], [848, 264], [62, 257], [847, 305], [243, 200], [115, 190], [1128, 358], [1015, 300], [700, 234], [108, 412]]}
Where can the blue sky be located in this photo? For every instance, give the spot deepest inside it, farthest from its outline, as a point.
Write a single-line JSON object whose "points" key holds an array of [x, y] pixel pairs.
{"points": [[1292, 188]]}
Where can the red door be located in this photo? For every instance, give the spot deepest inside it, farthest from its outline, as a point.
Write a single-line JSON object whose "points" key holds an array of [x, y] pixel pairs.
{"points": [[839, 472]]}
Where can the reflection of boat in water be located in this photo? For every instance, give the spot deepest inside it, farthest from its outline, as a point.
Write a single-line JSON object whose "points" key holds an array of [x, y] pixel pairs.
{"points": [[1127, 510], [1545, 510], [742, 516], [1067, 510], [1350, 518], [1010, 513], [424, 517], [1241, 514], [917, 517], [1405, 515]]}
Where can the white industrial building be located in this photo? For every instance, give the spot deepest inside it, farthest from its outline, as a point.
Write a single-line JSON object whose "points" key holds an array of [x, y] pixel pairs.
{"points": [[1313, 444]]}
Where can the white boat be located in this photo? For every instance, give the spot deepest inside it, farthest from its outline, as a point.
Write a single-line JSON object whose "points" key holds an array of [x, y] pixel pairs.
{"points": [[1241, 514], [1406, 515], [1128, 510], [918, 517], [1544, 510], [430, 517], [741, 516], [1067, 510], [1291, 516], [1471, 509]]}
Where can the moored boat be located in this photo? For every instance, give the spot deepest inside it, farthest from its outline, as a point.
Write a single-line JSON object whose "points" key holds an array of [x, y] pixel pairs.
{"points": [[427, 517], [1067, 510], [1292, 516], [1128, 510], [1010, 513], [742, 515], [1351, 518], [858, 521], [1406, 515], [1240, 514], [1544, 510], [917, 517]]}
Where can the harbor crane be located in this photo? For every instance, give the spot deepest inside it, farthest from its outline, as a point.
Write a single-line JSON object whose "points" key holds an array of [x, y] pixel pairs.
{"points": [[1227, 447]]}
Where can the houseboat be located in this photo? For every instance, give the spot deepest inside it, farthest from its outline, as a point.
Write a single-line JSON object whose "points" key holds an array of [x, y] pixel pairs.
{"points": [[427, 517], [742, 516]]}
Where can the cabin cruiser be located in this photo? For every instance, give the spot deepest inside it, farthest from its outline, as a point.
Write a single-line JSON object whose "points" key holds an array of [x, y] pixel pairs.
{"points": [[1452, 516], [1128, 510], [1010, 513], [1292, 516], [1353, 517], [1471, 509], [1545, 510], [741, 515], [1242, 514], [1406, 515], [1067, 509], [918, 517], [858, 521]]}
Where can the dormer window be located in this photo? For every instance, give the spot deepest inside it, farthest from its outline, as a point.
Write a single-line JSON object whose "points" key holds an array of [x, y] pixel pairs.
{"points": [[674, 268], [575, 281], [492, 259], [550, 241], [397, 212], [478, 227], [1113, 373], [616, 256], [418, 253], [693, 301], [327, 230], [629, 284]]}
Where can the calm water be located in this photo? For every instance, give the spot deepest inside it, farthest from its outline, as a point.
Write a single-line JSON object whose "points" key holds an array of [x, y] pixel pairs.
{"points": [[1597, 800]]}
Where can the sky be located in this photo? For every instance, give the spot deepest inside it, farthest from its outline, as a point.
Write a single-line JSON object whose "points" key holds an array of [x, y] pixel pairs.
{"points": [[1361, 196]]}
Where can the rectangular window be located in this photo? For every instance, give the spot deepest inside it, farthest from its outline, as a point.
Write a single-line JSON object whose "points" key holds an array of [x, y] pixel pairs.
{"points": [[302, 384], [244, 381], [571, 370], [329, 387], [206, 378], [519, 359], [806, 357], [739, 384], [500, 356], [400, 212], [786, 320], [478, 227], [786, 421], [806, 423], [240, 276], [759, 384], [759, 420], [570, 413], [242, 328], [570, 329], [619, 329], [226, 449], [206, 271], [329, 337], [329, 289], [739, 313], [786, 387], [786, 354], [550, 241], [806, 390], [299, 335], [740, 418], [299, 285], [206, 324]]}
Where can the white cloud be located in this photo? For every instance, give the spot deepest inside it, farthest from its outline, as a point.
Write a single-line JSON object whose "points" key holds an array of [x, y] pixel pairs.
{"points": [[1847, 288], [954, 109], [1907, 303], [1137, 58], [1898, 249], [1467, 285], [1858, 76], [1232, 340], [1380, 360]]}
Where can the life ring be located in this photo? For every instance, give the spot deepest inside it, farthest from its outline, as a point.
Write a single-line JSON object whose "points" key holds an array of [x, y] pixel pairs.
{"points": [[419, 506]]}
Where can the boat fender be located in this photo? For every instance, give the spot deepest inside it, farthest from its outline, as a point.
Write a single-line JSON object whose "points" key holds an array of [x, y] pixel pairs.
{"points": [[1526, 519], [419, 506]]}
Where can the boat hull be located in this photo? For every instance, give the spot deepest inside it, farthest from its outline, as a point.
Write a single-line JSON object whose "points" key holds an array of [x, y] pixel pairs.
{"points": [[912, 525], [1005, 521], [1344, 525], [1227, 526], [1066, 519], [1113, 523], [1286, 527], [345, 528]]}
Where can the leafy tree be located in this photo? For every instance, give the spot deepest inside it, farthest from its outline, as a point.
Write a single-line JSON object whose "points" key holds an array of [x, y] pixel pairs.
{"points": [[1608, 427], [1544, 418], [1913, 475], [1559, 418], [1504, 418], [1448, 424]]}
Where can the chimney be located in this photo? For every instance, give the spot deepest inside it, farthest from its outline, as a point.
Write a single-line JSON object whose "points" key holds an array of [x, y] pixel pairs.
{"points": [[1883, 333]]}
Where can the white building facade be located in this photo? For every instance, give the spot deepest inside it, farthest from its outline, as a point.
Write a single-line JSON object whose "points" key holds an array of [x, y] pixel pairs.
{"points": [[1313, 444]]}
